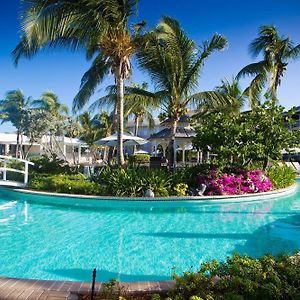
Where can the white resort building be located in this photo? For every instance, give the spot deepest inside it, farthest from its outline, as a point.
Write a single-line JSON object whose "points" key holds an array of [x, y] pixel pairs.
{"points": [[72, 150]]}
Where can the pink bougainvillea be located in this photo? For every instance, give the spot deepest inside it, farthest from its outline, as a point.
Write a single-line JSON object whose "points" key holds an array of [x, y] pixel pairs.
{"points": [[236, 182]]}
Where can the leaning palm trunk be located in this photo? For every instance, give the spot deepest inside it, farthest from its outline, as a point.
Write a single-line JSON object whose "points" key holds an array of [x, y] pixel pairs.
{"points": [[120, 97]]}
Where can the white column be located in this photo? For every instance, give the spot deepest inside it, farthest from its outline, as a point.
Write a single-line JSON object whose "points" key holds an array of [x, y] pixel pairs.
{"points": [[207, 156], [79, 154], [4, 171], [26, 173], [155, 148], [183, 154], [65, 150], [174, 153], [6, 150], [164, 147], [201, 157]]}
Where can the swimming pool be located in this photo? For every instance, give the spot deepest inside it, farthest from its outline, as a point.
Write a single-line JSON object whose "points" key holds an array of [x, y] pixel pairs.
{"points": [[44, 237]]}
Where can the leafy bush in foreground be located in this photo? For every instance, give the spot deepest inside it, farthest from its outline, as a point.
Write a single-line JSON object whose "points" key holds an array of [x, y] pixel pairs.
{"points": [[241, 277]]}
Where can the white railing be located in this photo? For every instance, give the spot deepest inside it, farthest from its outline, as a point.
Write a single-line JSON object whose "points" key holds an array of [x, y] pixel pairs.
{"points": [[5, 160]]}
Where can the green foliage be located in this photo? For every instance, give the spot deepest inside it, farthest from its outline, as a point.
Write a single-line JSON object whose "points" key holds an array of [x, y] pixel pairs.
{"points": [[133, 182], [241, 277], [50, 165], [256, 135], [180, 189], [69, 184], [139, 159], [281, 176]]}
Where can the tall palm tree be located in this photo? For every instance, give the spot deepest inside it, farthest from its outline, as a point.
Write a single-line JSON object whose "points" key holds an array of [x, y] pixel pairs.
{"points": [[13, 109], [277, 52], [101, 27], [174, 63]]}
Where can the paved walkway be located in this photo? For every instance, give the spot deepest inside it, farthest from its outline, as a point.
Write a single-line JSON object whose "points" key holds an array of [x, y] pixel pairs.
{"points": [[29, 289]]}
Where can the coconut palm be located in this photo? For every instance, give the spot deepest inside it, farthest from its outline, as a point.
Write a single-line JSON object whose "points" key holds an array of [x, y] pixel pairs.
{"points": [[101, 27], [277, 52], [13, 108], [58, 113], [49, 101], [232, 88], [174, 63]]}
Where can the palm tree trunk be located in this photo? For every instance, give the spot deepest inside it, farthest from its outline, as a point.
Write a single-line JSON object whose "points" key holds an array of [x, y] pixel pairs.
{"points": [[113, 129], [136, 128], [18, 143], [120, 97], [172, 145]]}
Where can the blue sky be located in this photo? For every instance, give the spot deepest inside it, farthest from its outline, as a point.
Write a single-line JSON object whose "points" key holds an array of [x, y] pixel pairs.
{"points": [[61, 70]]}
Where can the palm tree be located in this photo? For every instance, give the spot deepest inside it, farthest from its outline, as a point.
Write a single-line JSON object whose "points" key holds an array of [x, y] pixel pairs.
{"points": [[95, 128], [277, 52], [50, 103], [174, 63], [232, 88], [101, 27], [13, 109]]}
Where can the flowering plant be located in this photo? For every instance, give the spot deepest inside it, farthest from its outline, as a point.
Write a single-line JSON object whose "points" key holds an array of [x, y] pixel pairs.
{"points": [[235, 182]]}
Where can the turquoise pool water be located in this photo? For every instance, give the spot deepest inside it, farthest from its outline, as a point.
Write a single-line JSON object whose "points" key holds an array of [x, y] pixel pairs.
{"points": [[58, 238]]}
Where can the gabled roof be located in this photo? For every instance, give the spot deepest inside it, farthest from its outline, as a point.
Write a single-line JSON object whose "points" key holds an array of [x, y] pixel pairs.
{"points": [[181, 132]]}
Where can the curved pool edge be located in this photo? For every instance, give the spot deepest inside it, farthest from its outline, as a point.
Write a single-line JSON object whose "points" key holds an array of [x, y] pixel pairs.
{"points": [[233, 198], [78, 287]]}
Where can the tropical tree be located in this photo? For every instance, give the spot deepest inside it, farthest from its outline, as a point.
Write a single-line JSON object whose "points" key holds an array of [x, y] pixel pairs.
{"points": [[174, 63], [95, 128], [58, 113], [277, 52], [232, 88], [139, 106], [101, 27], [13, 108]]}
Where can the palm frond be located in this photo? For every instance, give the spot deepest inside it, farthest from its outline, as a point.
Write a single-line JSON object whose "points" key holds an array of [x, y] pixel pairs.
{"points": [[90, 81], [253, 69]]}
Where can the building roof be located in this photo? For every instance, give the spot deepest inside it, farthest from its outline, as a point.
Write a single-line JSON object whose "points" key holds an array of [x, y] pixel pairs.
{"points": [[181, 132], [11, 138]]}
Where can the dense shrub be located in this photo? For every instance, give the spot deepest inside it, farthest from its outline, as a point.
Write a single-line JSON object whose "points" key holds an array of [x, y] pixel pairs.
{"points": [[281, 176], [241, 277], [70, 184], [133, 182], [51, 165], [139, 159]]}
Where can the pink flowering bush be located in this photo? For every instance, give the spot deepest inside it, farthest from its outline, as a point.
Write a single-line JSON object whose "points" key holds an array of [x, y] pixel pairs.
{"points": [[235, 182]]}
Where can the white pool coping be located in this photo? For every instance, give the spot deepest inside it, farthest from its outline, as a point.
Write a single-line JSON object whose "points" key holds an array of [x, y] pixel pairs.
{"points": [[245, 197]]}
